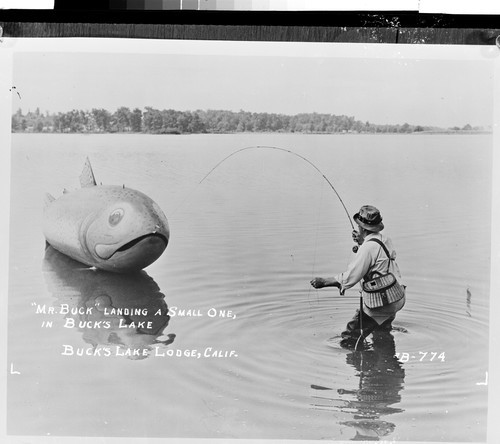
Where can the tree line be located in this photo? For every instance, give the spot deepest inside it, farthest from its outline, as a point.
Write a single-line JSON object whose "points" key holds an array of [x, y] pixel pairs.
{"points": [[169, 121]]}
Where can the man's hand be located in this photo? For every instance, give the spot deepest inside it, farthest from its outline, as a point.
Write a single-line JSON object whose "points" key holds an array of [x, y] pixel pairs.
{"points": [[356, 237], [320, 282]]}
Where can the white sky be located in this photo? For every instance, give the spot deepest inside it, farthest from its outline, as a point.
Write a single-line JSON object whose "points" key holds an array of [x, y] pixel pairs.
{"points": [[432, 91]]}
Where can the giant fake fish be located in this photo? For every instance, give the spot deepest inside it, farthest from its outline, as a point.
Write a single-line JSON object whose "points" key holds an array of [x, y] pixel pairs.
{"points": [[106, 226]]}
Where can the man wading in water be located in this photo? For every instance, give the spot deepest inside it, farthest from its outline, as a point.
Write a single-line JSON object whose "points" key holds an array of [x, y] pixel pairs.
{"points": [[375, 256]]}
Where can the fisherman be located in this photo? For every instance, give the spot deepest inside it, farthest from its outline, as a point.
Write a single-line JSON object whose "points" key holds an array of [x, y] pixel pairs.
{"points": [[375, 256]]}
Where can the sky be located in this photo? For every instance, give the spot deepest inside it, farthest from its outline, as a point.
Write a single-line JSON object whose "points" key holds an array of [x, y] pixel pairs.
{"points": [[434, 92]]}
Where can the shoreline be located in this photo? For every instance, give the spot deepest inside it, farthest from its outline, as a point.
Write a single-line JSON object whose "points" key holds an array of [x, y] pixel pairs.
{"points": [[414, 133]]}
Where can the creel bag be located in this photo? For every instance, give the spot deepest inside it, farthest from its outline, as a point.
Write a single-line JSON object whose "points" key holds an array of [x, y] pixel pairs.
{"points": [[381, 289]]}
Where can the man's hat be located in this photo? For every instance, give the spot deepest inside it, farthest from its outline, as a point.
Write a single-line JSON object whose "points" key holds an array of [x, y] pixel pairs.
{"points": [[369, 218]]}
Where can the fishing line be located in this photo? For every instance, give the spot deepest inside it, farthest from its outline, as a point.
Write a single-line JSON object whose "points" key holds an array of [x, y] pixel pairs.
{"points": [[316, 243], [268, 147]]}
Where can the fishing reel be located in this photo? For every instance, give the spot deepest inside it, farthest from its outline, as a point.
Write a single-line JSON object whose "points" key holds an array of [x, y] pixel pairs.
{"points": [[355, 235]]}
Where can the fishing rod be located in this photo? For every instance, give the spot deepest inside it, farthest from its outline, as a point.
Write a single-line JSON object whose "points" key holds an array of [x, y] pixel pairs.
{"points": [[354, 249], [286, 151]]}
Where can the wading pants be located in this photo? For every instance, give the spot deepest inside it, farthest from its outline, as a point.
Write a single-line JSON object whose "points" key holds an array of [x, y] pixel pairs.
{"points": [[353, 327]]}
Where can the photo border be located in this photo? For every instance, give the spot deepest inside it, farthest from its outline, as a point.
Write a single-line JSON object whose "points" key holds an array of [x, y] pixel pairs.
{"points": [[11, 46]]}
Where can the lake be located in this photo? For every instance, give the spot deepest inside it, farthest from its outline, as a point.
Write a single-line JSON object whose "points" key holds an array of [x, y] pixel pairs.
{"points": [[237, 344]]}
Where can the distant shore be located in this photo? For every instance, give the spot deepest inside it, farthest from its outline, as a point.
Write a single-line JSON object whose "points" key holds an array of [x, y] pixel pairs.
{"points": [[154, 121], [129, 133]]}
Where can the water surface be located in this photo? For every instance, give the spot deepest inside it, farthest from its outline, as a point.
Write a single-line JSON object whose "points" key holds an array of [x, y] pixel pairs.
{"points": [[244, 245]]}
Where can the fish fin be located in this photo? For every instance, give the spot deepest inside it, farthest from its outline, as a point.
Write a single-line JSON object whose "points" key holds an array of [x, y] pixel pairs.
{"points": [[48, 199], [87, 178]]}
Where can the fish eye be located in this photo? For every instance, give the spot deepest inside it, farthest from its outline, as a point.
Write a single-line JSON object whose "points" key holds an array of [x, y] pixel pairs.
{"points": [[115, 217]]}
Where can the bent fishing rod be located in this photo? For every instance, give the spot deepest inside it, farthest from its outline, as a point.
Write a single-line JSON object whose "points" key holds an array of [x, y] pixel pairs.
{"points": [[290, 152], [268, 147]]}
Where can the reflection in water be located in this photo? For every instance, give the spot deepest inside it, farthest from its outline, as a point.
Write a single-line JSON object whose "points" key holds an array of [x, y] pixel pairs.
{"points": [[126, 311], [468, 302], [381, 378]]}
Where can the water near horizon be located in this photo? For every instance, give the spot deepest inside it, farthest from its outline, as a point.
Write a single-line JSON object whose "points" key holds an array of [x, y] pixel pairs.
{"points": [[249, 349]]}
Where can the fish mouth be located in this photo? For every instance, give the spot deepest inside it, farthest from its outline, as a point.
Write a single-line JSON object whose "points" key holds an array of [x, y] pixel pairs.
{"points": [[136, 241], [133, 255]]}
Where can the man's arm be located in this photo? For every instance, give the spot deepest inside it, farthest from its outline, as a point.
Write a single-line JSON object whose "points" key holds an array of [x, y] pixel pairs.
{"points": [[354, 273]]}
